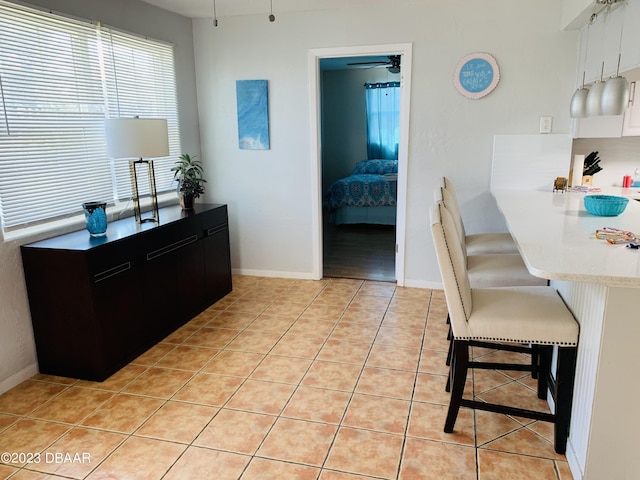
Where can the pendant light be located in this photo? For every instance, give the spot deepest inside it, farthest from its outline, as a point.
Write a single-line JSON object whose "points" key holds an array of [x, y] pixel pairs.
{"points": [[615, 94], [578, 105], [215, 17], [594, 98], [272, 17]]}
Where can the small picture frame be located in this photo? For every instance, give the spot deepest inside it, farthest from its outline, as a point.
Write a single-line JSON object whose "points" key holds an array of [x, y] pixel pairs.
{"points": [[476, 75]]}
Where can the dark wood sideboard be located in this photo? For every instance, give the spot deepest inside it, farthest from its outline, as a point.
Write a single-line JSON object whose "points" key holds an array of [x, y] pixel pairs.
{"points": [[98, 303]]}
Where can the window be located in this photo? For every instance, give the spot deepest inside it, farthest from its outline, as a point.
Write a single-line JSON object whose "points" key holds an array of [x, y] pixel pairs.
{"points": [[59, 79], [383, 120]]}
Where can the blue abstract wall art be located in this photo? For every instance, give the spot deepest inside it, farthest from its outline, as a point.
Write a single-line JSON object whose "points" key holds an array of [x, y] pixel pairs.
{"points": [[253, 114]]}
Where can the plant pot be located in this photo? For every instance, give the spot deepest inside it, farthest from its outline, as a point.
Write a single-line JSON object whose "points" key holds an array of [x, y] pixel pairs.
{"points": [[186, 201]]}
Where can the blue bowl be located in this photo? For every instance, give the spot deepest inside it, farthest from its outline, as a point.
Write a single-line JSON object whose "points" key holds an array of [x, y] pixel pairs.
{"points": [[605, 205]]}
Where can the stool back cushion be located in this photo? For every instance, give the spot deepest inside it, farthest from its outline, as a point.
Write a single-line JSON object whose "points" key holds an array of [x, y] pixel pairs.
{"points": [[450, 203], [450, 199], [453, 268]]}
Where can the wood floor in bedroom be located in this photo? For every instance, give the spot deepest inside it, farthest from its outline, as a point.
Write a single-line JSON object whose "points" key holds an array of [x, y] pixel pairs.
{"points": [[365, 252]]}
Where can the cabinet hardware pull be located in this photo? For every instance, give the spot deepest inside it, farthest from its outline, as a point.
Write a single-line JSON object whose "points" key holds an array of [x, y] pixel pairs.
{"points": [[214, 230], [172, 247], [99, 277], [632, 94]]}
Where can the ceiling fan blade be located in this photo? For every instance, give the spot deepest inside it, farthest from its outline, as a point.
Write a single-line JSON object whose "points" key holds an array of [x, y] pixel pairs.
{"points": [[369, 63]]}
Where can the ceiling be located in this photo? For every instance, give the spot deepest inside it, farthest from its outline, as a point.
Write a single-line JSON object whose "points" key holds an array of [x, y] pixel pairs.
{"points": [[226, 8]]}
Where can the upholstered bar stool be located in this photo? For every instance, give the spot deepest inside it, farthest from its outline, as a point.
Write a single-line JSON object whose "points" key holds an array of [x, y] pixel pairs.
{"points": [[479, 243], [534, 315], [494, 270]]}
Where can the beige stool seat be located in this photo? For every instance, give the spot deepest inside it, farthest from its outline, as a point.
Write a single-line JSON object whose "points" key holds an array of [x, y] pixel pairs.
{"points": [[534, 315], [483, 243], [500, 270], [478, 243]]}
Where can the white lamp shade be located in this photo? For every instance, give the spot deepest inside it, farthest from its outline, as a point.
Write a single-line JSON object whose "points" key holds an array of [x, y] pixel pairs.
{"points": [[578, 105], [615, 96], [137, 137], [594, 99]]}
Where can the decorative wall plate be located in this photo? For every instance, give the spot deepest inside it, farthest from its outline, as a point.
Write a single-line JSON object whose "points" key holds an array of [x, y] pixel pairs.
{"points": [[476, 75]]}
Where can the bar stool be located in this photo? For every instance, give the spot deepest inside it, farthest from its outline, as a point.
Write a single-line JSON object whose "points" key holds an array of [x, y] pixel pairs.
{"points": [[495, 270], [490, 269], [534, 315], [479, 243]]}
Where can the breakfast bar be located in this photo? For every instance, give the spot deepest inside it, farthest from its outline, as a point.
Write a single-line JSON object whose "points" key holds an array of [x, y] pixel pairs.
{"points": [[600, 283]]}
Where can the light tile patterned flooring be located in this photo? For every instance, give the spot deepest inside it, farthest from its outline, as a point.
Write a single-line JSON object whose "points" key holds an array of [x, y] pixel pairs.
{"points": [[283, 379]]}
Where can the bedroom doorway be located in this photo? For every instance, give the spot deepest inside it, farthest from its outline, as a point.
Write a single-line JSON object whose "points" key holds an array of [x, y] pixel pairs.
{"points": [[369, 247]]}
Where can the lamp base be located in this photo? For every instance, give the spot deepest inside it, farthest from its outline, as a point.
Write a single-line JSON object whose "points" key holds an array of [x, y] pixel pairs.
{"points": [[133, 166]]}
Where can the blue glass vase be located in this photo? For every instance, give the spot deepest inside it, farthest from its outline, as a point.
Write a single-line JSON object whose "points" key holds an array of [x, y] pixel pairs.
{"points": [[96, 215]]}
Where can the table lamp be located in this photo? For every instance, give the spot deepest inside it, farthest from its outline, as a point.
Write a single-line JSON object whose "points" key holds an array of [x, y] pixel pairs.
{"points": [[139, 138]]}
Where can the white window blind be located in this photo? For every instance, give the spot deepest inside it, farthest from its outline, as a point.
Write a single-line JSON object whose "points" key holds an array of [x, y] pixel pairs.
{"points": [[59, 79]]}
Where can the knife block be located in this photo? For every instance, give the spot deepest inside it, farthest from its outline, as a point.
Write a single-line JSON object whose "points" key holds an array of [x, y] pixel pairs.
{"points": [[587, 180]]}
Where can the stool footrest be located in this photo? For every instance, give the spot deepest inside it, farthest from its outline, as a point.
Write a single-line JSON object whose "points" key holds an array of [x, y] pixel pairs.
{"points": [[506, 410], [502, 366]]}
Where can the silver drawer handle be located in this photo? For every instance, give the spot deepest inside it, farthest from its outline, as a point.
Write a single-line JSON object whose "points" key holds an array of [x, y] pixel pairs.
{"points": [[172, 247], [99, 277]]}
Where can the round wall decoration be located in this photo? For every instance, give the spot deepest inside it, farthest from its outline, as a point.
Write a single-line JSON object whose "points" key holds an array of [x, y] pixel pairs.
{"points": [[476, 75]]}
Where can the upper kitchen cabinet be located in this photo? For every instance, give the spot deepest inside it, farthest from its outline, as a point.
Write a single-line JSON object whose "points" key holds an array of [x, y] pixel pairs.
{"points": [[631, 125], [630, 35], [615, 34]]}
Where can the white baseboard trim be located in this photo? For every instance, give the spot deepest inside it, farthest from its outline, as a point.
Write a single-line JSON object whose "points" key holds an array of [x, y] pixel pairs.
{"points": [[272, 273], [309, 276], [574, 463], [423, 284], [18, 377]]}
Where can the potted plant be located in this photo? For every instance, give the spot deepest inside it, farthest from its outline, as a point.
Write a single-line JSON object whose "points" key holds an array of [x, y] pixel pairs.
{"points": [[188, 172]]}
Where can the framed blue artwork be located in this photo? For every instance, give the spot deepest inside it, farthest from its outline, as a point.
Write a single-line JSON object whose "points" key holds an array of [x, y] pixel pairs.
{"points": [[253, 114], [476, 75]]}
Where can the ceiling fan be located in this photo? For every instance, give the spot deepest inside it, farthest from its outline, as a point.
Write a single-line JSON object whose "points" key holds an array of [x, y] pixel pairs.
{"points": [[393, 64]]}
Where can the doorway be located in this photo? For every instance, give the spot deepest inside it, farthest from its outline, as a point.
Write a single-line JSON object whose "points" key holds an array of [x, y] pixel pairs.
{"points": [[392, 242]]}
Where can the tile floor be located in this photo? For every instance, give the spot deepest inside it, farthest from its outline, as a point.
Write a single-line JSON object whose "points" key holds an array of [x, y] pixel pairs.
{"points": [[282, 379]]}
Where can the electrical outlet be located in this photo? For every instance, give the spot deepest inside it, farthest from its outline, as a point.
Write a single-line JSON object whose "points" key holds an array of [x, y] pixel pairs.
{"points": [[545, 124]]}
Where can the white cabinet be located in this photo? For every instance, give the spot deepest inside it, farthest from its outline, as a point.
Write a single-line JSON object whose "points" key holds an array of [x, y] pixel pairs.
{"points": [[631, 125], [614, 34], [630, 36]]}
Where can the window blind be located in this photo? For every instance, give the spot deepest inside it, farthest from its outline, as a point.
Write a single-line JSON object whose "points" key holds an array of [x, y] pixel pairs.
{"points": [[59, 79]]}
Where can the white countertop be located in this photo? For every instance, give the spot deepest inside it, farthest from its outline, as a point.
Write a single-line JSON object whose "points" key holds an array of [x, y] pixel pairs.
{"points": [[556, 237]]}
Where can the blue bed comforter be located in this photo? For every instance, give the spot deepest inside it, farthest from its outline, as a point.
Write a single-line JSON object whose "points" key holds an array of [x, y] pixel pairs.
{"points": [[373, 183]]}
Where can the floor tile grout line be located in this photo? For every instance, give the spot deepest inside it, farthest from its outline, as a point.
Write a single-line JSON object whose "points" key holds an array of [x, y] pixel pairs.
{"points": [[297, 386]]}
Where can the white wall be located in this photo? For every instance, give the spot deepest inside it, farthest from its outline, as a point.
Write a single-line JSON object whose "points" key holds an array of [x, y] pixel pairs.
{"points": [[268, 192], [17, 349]]}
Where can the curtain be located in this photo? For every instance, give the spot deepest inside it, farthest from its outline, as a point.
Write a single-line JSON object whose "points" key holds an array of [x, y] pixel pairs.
{"points": [[383, 118]]}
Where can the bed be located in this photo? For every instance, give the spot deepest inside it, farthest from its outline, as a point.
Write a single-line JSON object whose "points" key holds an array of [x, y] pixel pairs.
{"points": [[367, 195]]}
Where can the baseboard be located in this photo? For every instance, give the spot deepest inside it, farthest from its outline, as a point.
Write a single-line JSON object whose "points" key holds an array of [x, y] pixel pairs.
{"points": [[272, 273], [574, 464], [423, 284], [19, 377]]}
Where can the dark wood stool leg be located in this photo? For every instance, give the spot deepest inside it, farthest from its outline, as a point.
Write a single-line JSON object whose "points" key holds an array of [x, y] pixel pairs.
{"points": [[544, 354], [565, 375], [459, 378], [450, 352], [534, 360]]}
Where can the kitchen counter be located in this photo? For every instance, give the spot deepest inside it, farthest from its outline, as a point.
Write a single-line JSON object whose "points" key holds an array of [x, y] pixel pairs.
{"points": [[556, 237], [600, 285]]}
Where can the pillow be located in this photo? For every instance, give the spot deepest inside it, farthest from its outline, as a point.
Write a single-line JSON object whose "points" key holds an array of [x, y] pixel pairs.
{"points": [[379, 167]]}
